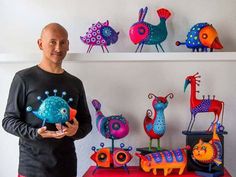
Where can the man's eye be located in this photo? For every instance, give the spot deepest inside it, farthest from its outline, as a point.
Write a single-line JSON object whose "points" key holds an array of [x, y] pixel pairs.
{"points": [[52, 42]]}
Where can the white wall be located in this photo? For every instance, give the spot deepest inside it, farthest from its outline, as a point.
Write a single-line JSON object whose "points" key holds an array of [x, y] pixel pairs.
{"points": [[122, 87], [21, 21]]}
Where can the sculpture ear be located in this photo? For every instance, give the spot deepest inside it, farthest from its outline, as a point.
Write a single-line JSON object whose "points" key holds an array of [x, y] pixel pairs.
{"points": [[200, 141], [106, 23]]}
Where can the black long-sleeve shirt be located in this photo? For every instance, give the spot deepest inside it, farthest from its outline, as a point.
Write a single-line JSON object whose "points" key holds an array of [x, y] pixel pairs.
{"points": [[41, 157]]}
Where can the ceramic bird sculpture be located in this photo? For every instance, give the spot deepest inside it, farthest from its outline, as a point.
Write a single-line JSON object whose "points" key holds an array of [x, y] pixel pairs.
{"points": [[145, 33], [112, 127], [202, 36], [155, 127], [100, 34]]}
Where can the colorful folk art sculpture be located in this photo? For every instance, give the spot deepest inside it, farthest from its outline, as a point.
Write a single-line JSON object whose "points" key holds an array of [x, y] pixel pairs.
{"points": [[202, 36], [155, 127], [203, 105], [145, 33], [166, 160], [209, 152], [100, 34], [113, 127], [106, 157], [54, 109]]}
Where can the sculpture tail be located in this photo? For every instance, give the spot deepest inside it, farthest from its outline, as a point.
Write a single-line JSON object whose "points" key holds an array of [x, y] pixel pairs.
{"points": [[178, 43], [96, 105], [163, 13]]}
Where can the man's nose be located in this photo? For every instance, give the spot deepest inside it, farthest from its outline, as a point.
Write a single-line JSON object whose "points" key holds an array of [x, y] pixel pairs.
{"points": [[58, 47]]}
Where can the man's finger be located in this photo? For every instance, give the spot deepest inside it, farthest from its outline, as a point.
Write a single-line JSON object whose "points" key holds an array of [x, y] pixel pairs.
{"points": [[68, 124], [75, 121], [41, 130]]}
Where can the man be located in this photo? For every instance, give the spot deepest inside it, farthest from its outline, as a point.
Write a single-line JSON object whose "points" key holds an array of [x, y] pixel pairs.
{"points": [[47, 151]]}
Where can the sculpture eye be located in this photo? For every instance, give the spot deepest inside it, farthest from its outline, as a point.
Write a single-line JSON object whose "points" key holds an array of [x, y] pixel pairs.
{"points": [[204, 35], [203, 148], [141, 30], [63, 111], [116, 126], [102, 157], [121, 157]]}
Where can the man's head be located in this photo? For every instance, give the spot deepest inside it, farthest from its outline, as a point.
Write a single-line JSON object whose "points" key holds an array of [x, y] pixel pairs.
{"points": [[54, 43]]}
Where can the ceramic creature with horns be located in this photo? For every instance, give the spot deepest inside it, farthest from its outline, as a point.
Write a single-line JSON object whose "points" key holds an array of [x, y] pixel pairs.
{"points": [[155, 127]]}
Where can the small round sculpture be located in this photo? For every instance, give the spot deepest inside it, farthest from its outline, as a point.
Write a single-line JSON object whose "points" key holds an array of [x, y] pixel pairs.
{"points": [[202, 36], [100, 34], [54, 109]]}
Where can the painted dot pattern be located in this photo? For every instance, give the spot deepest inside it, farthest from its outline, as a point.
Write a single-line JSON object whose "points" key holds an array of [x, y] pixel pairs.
{"points": [[202, 107], [192, 40]]}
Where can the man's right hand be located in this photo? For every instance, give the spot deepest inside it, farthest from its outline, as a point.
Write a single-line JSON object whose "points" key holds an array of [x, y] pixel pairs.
{"points": [[44, 133]]}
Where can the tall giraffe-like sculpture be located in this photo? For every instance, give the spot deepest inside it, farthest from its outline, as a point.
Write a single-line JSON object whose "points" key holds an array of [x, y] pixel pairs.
{"points": [[202, 105]]}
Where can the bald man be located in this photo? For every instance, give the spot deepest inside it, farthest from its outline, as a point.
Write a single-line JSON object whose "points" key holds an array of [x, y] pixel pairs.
{"points": [[47, 148]]}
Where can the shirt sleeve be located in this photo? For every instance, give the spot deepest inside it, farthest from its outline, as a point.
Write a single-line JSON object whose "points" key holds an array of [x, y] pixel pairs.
{"points": [[13, 121], [83, 116]]}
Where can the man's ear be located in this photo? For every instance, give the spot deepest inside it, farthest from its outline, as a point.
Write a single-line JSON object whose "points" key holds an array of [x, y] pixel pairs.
{"points": [[40, 44], [68, 48]]}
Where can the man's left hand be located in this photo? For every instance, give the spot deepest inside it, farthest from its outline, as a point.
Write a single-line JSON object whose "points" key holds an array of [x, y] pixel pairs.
{"points": [[70, 129]]}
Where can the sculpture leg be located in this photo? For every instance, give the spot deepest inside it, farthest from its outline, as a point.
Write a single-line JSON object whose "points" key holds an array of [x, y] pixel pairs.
{"points": [[106, 48], [170, 170], [157, 48], [126, 168], [165, 171], [95, 170], [161, 48], [141, 48], [158, 144], [88, 50], [137, 47], [102, 49], [181, 170], [154, 171], [43, 122], [150, 144], [192, 123]]}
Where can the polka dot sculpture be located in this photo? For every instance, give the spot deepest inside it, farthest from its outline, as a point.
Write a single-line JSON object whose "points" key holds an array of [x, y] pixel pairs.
{"points": [[155, 127], [100, 34], [203, 105], [202, 36]]}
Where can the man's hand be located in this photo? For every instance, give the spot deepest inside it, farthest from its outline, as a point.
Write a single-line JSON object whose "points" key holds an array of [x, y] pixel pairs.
{"points": [[44, 133], [70, 129]]}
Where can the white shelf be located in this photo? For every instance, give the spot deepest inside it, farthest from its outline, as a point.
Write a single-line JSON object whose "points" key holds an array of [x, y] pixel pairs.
{"points": [[130, 57]]}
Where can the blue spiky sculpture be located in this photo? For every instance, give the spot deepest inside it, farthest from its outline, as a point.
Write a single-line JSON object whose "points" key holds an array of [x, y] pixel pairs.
{"points": [[54, 109]]}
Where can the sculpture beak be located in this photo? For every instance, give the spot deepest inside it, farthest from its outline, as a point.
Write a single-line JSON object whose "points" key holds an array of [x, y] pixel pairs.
{"points": [[186, 84]]}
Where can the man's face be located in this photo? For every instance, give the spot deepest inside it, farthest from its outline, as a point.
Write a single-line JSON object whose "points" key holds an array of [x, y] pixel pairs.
{"points": [[54, 44]]}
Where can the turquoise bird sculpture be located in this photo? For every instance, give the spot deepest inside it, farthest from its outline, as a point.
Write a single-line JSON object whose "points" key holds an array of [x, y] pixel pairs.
{"points": [[142, 32]]}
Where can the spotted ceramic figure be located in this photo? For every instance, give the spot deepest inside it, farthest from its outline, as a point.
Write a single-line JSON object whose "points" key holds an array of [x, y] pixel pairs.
{"points": [[155, 127], [202, 36], [100, 34], [112, 127], [203, 105], [54, 109], [144, 33]]}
